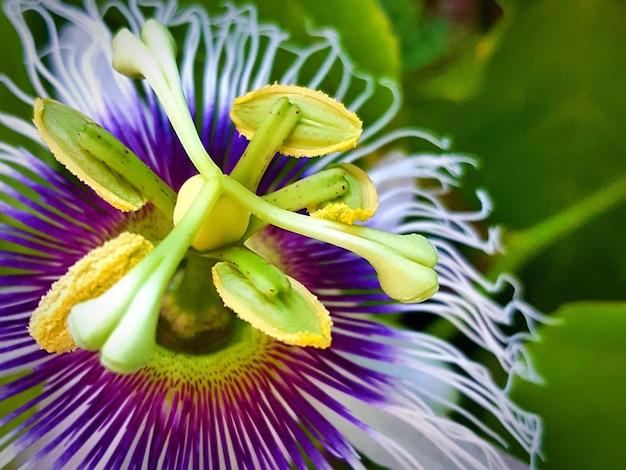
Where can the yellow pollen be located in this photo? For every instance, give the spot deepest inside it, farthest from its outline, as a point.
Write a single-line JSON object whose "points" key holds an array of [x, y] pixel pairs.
{"points": [[88, 278], [341, 212]]}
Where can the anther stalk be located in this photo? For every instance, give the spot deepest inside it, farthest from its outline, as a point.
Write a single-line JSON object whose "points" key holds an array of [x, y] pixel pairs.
{"points": [[267, 140]]}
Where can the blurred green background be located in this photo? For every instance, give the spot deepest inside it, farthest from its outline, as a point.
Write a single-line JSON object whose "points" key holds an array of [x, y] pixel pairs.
{"points": [[537, 90]]}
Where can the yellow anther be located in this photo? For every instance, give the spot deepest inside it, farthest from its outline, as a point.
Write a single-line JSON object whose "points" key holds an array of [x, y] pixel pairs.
{"points": [[325, 125], [359, 202], [60, 127], [88, 278], [295, 317], [342, 213]]}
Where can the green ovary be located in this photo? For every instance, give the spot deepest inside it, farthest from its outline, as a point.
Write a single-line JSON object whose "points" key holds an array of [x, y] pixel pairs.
{"points": [[192, 318]]}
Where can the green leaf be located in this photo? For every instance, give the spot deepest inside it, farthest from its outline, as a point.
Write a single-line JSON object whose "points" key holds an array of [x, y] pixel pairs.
{"points": [[421, 40], [583, 362], [445, 48]]}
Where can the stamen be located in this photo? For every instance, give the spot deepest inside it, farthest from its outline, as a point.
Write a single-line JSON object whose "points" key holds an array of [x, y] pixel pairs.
{"points": [[100, 160], [88, 278], [265, 277], [344, 193], [59, 127], [294, 317], [325, 125], [359, 202]]}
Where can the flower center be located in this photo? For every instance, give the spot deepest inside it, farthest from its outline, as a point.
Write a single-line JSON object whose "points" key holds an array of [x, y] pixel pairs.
{"points": [[183, 292], [192, 318]]}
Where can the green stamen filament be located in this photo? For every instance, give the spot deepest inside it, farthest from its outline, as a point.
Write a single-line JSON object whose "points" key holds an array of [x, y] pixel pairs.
{"points": [[267, 140], [324, 186], [94, 140], [266, 278]]}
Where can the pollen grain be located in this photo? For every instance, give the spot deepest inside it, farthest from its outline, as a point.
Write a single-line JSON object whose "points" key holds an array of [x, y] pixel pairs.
{"points": [[88, 278]]}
